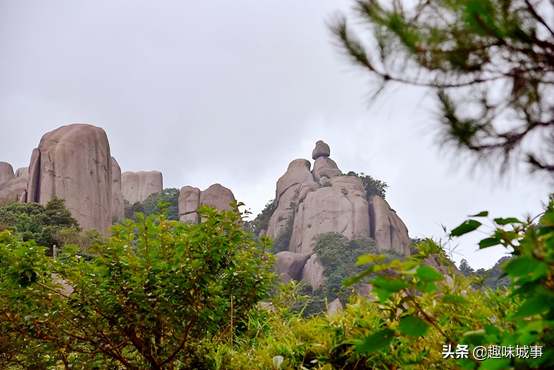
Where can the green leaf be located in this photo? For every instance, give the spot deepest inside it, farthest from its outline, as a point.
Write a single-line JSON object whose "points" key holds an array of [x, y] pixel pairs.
{"points": [[413, 326], [465, 227], [392, 286], [428, 273], [488, 242], [533, 306], [376, 341], [526, 266], [481, 214], [454, 299], [506, 221], [366, 258]]}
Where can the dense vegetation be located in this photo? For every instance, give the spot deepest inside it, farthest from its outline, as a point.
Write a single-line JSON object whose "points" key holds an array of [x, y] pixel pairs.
{"points": [[150, 206]]}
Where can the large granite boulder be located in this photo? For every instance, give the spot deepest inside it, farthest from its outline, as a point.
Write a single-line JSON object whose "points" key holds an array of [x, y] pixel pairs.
{"points": [[325, 167], [387, 228], [6, 173], [73, 162], [16, 188], [321, 150], [22, 172], [118, 202], [191, 198], [217, 196], [137, 186], [189, 201], [334, 307], [291, 263], [312, 273], [340, 208], [297, 174]]}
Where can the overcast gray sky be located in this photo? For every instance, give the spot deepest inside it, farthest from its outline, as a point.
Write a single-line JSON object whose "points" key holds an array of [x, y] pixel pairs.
{"points": [[231, 92]]}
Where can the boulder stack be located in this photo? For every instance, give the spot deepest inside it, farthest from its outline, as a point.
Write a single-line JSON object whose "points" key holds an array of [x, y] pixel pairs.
{"points": [[191, 198]]}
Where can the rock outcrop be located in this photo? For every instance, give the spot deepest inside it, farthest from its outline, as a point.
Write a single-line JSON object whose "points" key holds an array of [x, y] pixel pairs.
{"points": [[340, 208], [190, 198], [298, 174], [325, 167], [321, 150], [312, 273], [291, 263], [387, 228], [334, 307], [22, 172], [118, 203], [73, 162], [189, 201], [16, 189], [137, 186], [6, 173]]}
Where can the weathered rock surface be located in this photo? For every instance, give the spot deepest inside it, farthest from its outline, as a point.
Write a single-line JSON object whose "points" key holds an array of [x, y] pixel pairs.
{"points": [[297, 174], [137, 186], [6, 173], [190, 198], [291, 263], [189, 201], [324, 166], [22, 172], [387, 228], [340, 208], [217, 196], [334, 307], [15, 189], [118, 203], [312, 273], [73, 162], [321, 150]]}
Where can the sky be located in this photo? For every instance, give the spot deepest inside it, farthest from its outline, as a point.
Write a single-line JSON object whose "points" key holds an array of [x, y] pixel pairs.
{"points": [[231, 92]]}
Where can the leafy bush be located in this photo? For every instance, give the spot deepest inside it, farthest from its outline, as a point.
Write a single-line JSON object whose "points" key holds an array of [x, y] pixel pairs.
{"points": [[153, 305]]}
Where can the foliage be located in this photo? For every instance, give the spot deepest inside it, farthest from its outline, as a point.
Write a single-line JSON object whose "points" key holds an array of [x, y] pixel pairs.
{"points": [[150, 206], [169, 196], [371, 186], [41, 223], [155, 302], [261, 222], [495, 277], [522, 316], [489, 64], [339, 256]]}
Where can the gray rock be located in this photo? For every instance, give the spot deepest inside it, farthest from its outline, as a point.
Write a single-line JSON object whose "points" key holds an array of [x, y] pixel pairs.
{"points": [[340, 208], [137, 186], [217, 196], [15, 189], [189, 201], [297, 174], [6, 173], [291, 263], [324, 166], [22, 172], [118, 203], [312, 273], [387, 228], [321, 150], [334, 307], [73, 162]]}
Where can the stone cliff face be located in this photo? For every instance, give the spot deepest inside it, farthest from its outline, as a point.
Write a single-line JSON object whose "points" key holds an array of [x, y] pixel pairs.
{"points": [[74, 163], [323, 200], [13, 187], [191, 198], [118, 205], [137, 186]]}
